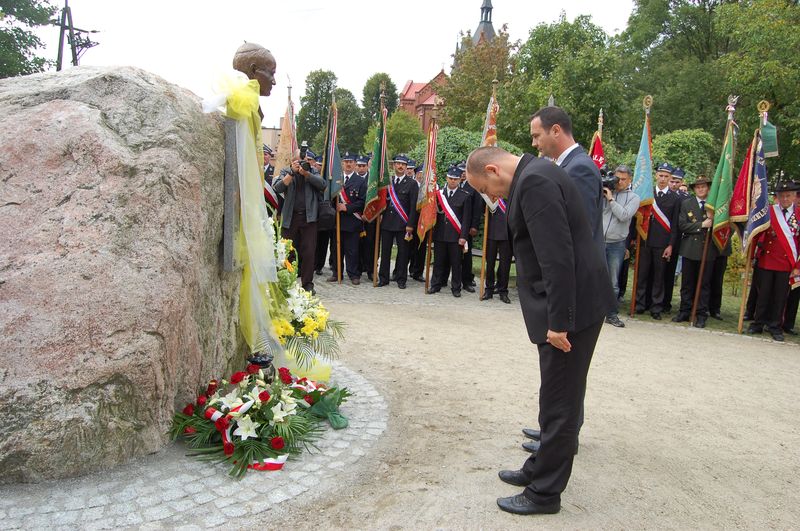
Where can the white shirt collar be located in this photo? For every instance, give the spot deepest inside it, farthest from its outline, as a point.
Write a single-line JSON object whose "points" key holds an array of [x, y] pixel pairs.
{"points": [[665, 190], [560, 159]]}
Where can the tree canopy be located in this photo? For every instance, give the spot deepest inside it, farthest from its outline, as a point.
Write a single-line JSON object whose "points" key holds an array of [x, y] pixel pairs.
{"points": [[18, 43], [371, 100]]}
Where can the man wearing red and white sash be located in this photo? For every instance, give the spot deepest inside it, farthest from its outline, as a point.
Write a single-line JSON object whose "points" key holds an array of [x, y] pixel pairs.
{"points": [[350, 204], [398, 223], [454, 211], [777, 261], [272, 199], [661, 240]]}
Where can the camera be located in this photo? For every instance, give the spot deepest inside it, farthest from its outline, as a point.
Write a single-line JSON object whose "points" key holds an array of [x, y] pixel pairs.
{"points": [[303, 152], [610, 181]]}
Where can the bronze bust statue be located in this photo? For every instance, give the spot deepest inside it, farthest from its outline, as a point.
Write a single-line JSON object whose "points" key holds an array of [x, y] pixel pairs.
{"points": [[256, 62]]}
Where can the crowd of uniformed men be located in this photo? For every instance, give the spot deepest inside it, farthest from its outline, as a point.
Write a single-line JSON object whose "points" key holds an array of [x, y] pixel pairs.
{"points": [[677, 229]]}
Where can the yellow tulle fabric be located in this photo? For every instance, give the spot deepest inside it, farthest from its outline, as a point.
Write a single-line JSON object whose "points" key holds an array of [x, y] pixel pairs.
{"points": [[255, 242], [319, 371]]}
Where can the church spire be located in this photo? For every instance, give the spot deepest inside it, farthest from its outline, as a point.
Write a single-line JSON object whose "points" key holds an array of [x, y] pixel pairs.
{"points": [[485, 29]]}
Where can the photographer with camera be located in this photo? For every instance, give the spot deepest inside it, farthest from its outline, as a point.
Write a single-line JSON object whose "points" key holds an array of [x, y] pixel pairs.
{"points": [[301, 186], [621, 205]]}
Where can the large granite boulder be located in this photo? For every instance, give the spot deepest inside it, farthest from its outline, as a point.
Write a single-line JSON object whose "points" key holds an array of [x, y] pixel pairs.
{"points": [[113, 304]]}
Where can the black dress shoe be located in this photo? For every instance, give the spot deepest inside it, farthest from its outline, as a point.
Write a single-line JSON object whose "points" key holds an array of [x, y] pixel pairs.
{"points": [[457, 294], [432, 291], [777, 335], [419, 278], [382, 283], [681, 317], [487, 295], [517, 478], [532, 446], [318, 272], [520, 504], [700, 321], [755, 329], [530, 433], [656, 316], [716, 315], [468, 288], [401, 284], [504, 298]]}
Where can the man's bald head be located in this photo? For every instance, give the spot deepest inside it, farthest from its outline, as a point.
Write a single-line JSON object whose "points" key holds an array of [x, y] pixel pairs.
{"points": [[490, 170]]}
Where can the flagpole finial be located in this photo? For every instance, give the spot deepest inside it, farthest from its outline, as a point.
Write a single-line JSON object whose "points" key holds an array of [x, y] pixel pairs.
{"points": [[383, 93], [551, 101], [495, 83], [763, 110], [647, 103], [731, 108], [600, 121], [437, 104]]}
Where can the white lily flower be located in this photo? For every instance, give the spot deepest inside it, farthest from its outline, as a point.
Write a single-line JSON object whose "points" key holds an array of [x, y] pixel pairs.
{"points": [[231, 400], [278, 414], [246, 428]]}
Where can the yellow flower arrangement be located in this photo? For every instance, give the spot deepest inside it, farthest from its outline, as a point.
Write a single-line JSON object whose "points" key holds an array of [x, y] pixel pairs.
{"points": [[283, 329]]}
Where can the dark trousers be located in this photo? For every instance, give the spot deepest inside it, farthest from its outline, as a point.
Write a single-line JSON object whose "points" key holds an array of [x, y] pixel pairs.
{"points": [[446, 260], [790, 315], [304, 238], [651, 265], [325, 239], [416, 262], [623, 277], [467, 276], [773, 290], [689, 274], [349, 254], [561, 393], [493, 247], [669, 281], [717, 284], [752, 295], [389, 238], [366, 249]]}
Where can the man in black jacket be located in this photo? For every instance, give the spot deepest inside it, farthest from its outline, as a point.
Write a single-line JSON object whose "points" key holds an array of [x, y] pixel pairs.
{"points": [[398, 223], [474, 221], [565, 293], [350, 204], [662, 238], [454, 208], [497, 242]]}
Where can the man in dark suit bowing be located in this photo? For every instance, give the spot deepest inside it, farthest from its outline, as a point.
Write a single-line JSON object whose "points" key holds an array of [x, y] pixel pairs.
{"points": [[453, 212], [565, 293]]}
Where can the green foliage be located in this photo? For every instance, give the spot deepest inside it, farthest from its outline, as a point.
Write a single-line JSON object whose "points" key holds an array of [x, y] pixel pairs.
{"points": [[18, 43], [351, 125], [467, 93], [315, 104], [693, 150], [371, 98], [403, 132], [454, 145]]}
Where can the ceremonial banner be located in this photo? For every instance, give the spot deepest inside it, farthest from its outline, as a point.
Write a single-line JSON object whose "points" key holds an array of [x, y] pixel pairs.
{"points": [[427, 209], [739, 208], [331, 161], [719, 198], [489, 138], [288, 140], [596, 150], [758, 209], [378, 173], [643, 181]]}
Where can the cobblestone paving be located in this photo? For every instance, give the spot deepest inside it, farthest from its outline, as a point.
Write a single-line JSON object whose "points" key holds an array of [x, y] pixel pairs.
{"points": [[170, 490]]}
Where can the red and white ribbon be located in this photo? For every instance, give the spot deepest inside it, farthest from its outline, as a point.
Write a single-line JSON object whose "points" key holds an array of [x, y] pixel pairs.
{"points": [[269, 463], [270, 195], [448, 212], [661, 218], [784, 232], [396, 204]]}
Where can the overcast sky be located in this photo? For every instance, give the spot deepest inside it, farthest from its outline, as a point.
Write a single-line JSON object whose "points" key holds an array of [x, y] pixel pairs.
{"points": [[190, 42]]}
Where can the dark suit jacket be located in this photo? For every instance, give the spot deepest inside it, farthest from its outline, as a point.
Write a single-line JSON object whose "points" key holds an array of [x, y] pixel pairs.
{"points": [[693, 236], [562, 278], [356, 190], [461, 203], [407, 192], [658, 236], [498, 225], [579, 165]]}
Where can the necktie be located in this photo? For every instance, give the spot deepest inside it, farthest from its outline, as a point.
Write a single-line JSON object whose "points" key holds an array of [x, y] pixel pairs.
{"points": [[660, 193], [345, 180], [450, 196], [397, 180], [785, 211], [702, 205]]}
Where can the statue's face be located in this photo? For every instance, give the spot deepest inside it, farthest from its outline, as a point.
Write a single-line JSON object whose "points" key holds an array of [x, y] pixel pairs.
{"points": [[263, 71]]}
